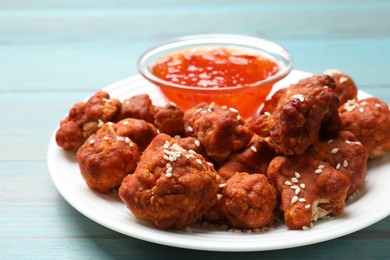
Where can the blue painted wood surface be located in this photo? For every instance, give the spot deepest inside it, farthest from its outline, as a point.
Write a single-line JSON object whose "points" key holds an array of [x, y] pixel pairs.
{"points": [[55, 53]]}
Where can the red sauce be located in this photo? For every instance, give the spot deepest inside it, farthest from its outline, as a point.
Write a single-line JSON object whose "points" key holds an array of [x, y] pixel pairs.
{"points": [[214, 67], [217, 70]]}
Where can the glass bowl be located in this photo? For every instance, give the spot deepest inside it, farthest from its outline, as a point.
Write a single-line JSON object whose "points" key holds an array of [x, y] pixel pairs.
{"points": [[245, 98]]}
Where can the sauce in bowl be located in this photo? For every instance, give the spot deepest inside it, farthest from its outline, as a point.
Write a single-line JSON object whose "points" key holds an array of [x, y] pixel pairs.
{"points": [[232, 70], [217, 67]]}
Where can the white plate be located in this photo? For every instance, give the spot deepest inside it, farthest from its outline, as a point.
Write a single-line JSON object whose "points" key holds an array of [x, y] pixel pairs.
{"points": [[369, 207]]}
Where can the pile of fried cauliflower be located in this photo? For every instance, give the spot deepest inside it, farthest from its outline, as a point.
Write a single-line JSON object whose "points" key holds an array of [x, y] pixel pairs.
{"points": [[298, 160]]}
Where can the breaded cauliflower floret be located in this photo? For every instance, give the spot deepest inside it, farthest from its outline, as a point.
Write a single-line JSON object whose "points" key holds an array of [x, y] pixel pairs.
{"points": [[309, 189], [369, 120], [221, 130], [171, 187], [85, 118], [106, 158], [248, 201]]}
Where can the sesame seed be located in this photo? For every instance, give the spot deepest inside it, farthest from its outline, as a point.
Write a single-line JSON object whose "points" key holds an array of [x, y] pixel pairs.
{"points": [[300, 97], [106, 138], [222, 185], [110, 123], [210, 164], [267, 113], [352, 142], [199, 161], [190, 129], [131, 144], [158, 131], [302, 200], [297, 191], [295, 180], [169, 170], [338, 166], [238, 117], [191, 151], [224, 107], [219, 196], [168, 174], [294, 199], [203, 112], [253, 148], [364, 103], [126, 123], [377, 105], [343, 80], [305, 228], [92, 141], [233, 109], [127, 140], [166, 144], [321, 166], [297, 175], [168, 165], [166, 157], [302, 185], [198, 110], [294, 187], [318, 171], [172, 103], [334, 150], [100, 123], [330, 141], [326, 87], [345, 163], [307, 206], [197, 143], [361, 109], [288, 183]]}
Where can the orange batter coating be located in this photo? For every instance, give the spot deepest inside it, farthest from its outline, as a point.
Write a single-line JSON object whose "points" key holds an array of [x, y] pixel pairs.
{"points": [[85, 118], [221, 130], [254, 158], [309, 189], [138, 130], [248, 201], [105, 159], [171, 187], [169, 119], [138, 106], [302, 87], [346, 154], [298, 123], [369, 120], [345, 87]]}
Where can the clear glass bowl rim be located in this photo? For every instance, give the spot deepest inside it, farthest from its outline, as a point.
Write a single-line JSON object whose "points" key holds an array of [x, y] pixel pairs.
{"points": [[266, 46]]}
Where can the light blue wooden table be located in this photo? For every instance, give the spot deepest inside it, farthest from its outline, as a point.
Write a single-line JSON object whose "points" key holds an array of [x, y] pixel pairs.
{"points": [[55, 53]]}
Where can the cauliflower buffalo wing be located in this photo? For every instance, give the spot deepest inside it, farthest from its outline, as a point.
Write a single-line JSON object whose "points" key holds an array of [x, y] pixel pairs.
{"points": [[171, 187], [346, 154], [220, 130], [106, 158], [254, 158], [345, 87], [309, 189], [369, 120], [85, 118]]}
